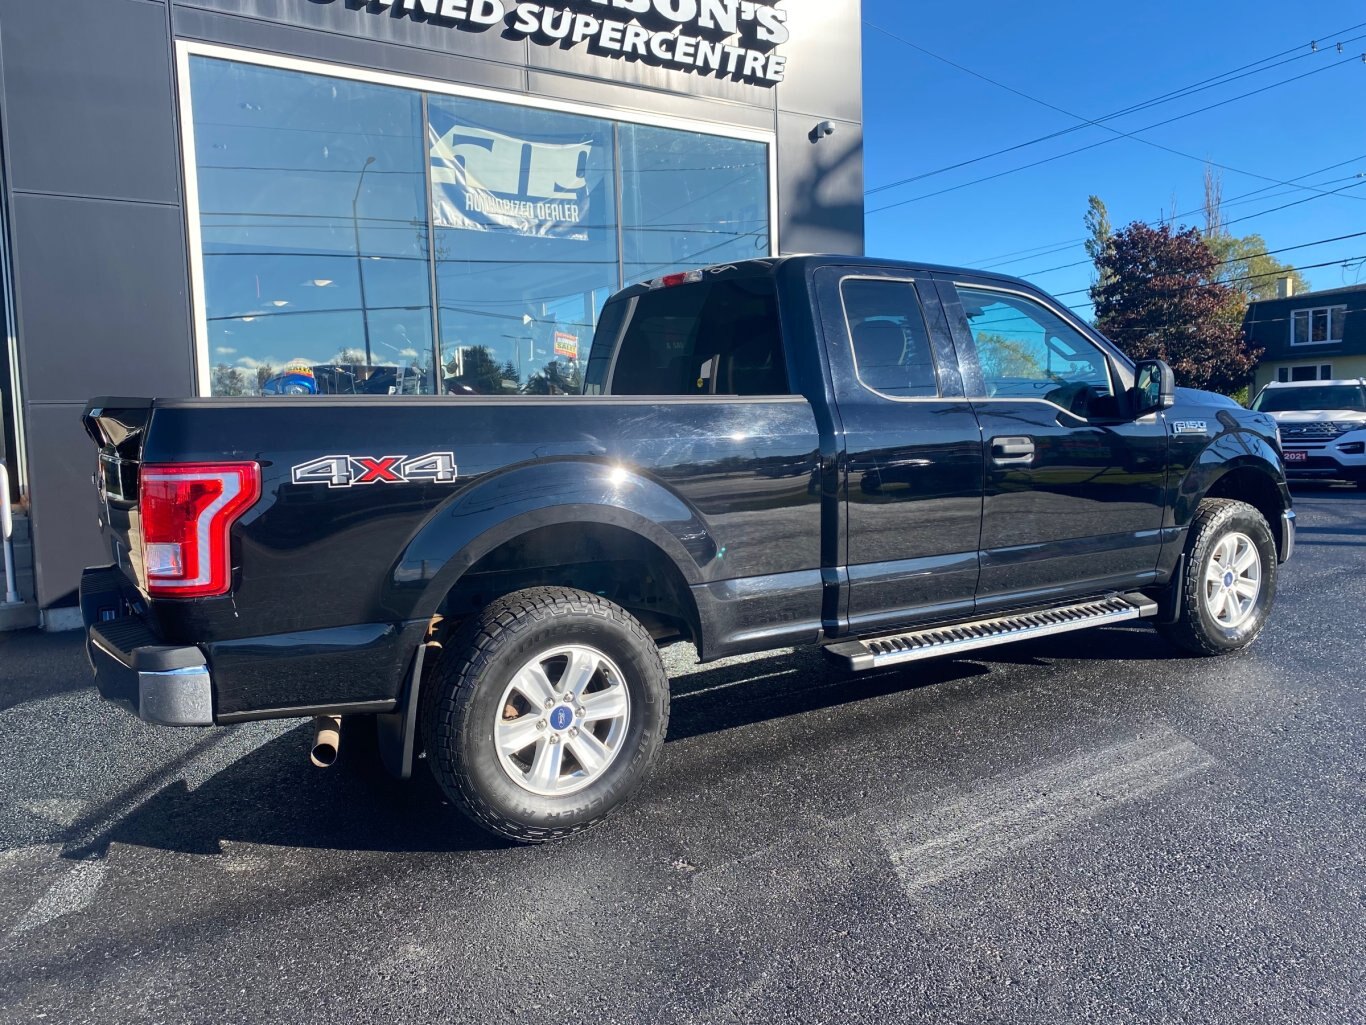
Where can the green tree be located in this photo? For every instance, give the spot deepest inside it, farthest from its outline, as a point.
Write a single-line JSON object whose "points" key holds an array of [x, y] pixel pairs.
{"points": [[1164, 300], [511, 376], [1245, 264], [1007, 357], [476, 368], [555, 378], [1242, 262], [1099, 239], [227, 380]]}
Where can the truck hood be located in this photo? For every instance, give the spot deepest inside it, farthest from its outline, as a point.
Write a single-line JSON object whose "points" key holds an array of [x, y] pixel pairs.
{"points": [[1315, 416]]}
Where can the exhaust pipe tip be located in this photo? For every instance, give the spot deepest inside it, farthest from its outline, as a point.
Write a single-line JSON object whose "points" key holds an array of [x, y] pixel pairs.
{"points": [[326, 741]]}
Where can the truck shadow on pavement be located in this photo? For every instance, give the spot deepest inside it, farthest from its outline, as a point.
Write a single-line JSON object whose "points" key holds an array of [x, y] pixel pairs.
{"points": [[270, 796], [36, 665]]}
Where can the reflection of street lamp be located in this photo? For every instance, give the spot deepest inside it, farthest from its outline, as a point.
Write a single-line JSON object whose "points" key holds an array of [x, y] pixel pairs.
{"points": [[517, 341], [360, 264]]}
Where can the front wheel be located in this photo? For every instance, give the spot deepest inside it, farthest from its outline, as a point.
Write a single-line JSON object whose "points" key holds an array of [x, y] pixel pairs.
{"points": [[545, 713], [1229, 582]]}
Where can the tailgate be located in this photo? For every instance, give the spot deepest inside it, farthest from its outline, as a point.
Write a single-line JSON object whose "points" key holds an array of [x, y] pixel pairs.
{"points": [[118, 427]]}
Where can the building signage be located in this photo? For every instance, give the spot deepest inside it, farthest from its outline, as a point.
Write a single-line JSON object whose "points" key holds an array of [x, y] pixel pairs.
{"points": [[736, 39], [484, 180]]}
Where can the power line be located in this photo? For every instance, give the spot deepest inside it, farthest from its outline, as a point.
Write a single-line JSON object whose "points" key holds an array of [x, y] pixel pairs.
{"points": [[1133, 135], [989, 262], [1230, 281], [1229, 262], [1168, 97]]}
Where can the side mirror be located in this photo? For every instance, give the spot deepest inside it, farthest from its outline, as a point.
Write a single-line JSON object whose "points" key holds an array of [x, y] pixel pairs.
{"points": [[1154, 388]]}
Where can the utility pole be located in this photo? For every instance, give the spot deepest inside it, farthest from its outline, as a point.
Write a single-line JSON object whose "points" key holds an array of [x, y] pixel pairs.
{"points": [[360, 261]]}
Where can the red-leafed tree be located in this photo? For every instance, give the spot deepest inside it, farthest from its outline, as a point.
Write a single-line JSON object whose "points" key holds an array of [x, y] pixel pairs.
{"points": [[1158, 297]]}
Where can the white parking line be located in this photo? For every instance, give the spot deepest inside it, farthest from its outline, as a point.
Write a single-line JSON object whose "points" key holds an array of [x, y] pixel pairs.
{"points": [[1008, 816], [72, 893], [79, 886]]}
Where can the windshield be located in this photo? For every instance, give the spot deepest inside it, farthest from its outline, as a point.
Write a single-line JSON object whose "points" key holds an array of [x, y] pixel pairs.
{"points": [[1307, 400]]}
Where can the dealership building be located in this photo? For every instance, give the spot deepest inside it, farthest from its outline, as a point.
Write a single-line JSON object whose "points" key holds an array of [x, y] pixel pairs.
{"points": [[395, 197]]}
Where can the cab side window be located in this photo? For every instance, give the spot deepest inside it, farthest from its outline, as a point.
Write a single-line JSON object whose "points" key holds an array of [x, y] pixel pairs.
{"points": [[892, 353], [1026, 351]]}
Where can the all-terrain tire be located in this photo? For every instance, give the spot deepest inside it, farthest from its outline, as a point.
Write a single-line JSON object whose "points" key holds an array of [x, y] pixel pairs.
{"points": [[461, 709], [1196, 628]]}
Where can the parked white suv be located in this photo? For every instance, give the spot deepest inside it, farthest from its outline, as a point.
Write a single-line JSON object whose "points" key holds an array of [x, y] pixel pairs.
{"points": [[1323, 428]]}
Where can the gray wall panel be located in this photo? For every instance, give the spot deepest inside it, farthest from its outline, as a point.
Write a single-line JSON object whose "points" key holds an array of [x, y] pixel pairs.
{"points": [[65, 534], [88, 99], [608, 94], [103, 298], [356, 50], [820, 187], [346, 18], [825, 61]]}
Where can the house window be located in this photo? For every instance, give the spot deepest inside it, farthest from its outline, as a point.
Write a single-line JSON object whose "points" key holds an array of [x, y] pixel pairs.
{"points": [[1321, 326], [1316, 372]]}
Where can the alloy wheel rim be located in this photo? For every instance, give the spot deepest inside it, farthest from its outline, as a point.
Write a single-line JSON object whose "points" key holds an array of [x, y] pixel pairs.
{"points": [[1233, 581], [562, 720]]}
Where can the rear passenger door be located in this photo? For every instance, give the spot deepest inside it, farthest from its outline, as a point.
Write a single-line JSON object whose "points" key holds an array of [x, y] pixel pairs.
{"points": [[912, 465], [1074, 485]]}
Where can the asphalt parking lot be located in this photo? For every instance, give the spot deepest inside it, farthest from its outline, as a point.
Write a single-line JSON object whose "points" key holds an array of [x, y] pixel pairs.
{"points": [[1086, 828]]}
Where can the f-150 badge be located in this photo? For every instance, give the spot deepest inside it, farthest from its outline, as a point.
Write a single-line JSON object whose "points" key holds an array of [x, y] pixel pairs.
{"points": [[1200, 427], [360, 471]]}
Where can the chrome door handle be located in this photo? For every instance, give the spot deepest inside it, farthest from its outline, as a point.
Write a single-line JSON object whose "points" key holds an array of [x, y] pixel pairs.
{"points": [[1009, 451]]}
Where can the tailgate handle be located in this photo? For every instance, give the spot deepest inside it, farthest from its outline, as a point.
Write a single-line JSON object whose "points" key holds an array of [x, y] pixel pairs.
{"points": [[1009, 451]]}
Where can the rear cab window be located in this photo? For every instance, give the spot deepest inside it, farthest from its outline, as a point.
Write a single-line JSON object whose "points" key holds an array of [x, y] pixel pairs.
{"points": [[707, 336]]}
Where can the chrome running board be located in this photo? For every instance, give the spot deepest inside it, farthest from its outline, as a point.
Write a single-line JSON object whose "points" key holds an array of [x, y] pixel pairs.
{"points": [[932, 642]]}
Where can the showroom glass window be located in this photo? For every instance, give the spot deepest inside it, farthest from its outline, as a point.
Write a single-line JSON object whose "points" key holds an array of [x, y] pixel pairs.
{"points": [[327, 270], [690, 201], [312, 193], [525, 207]]}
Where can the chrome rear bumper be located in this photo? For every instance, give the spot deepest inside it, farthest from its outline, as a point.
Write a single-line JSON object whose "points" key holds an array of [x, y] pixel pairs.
{"points": [[161, 684]]}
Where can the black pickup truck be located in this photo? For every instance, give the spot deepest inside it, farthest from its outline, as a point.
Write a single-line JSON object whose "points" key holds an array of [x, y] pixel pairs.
{"points": [[892, 461]]}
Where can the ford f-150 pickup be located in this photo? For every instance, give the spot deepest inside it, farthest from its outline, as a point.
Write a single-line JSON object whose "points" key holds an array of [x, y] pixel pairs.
{"points": [[892, 461]]}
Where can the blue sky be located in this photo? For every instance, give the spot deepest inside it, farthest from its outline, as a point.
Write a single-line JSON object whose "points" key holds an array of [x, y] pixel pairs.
{"points": [[1091, 59]]}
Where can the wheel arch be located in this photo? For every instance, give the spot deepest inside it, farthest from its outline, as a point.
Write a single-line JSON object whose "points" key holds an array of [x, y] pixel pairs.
{"points": [[1240, 465], [553, 523]]}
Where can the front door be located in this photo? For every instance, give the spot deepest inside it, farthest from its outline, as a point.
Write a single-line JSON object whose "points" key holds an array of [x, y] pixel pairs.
{"points": [[1074, 488], [913, 452]]}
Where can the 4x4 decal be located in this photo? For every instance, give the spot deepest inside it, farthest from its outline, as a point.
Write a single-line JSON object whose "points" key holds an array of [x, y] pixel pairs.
{"points": [[358, 471]]}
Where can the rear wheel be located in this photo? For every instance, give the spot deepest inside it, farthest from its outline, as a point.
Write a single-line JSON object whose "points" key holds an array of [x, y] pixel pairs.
{"points": [[545, 712], [1229, 582]]}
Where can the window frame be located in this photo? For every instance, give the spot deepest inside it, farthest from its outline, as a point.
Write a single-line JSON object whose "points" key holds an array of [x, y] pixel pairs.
{"points": [[939, 368], [186, 50], [1117, 388], [1336, 314]]}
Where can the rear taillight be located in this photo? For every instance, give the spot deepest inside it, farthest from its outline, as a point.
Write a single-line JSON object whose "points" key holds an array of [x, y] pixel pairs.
{"points": [[187, 510]]}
